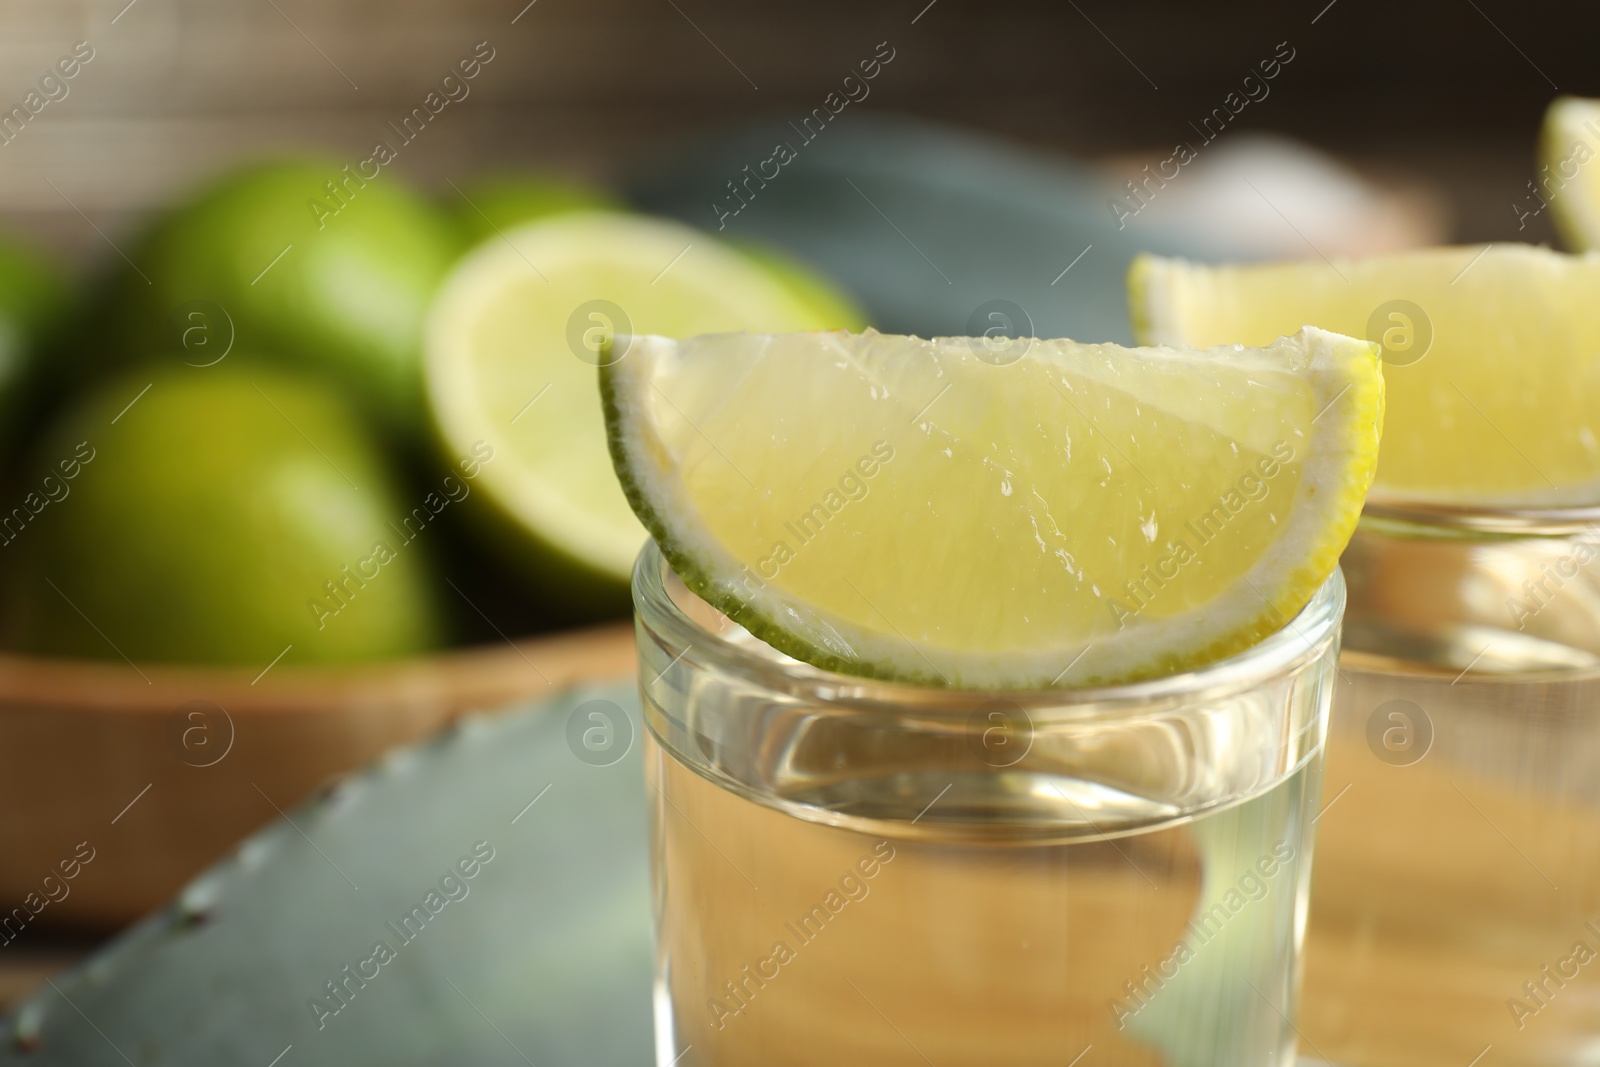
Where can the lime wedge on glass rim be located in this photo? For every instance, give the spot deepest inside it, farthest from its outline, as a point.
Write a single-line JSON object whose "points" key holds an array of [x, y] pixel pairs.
{"points": [[1493, 388], [1569, 148], [512, 342], [1035, 513]]}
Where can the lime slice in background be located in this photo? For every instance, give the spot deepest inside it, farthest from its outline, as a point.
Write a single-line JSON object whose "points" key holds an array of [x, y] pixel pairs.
{"points": [[513, 341], [1494, 391], [491, 205], [214, 515], [988, 514], [1569, 149], [833, 310]]}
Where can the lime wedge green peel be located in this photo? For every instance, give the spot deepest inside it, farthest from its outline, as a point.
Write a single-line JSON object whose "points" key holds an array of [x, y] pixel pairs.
{"points": [[1052, 513], [1494, 391], [512, 343]]}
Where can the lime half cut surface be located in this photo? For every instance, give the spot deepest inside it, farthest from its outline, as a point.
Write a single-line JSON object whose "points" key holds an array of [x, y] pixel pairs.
{"points": [[953, 513], [513, 340]]}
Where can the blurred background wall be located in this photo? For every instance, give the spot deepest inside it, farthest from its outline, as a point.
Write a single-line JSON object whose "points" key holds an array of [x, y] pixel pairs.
{"points": [[1445, 96]]}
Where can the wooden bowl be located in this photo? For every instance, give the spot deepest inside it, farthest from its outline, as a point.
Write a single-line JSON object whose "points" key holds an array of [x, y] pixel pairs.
{"points": [[157, 774]]}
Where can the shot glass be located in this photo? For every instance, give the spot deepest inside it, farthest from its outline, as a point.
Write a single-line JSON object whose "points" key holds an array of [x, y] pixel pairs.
{"points": [[850, 871], [1457, 898]]}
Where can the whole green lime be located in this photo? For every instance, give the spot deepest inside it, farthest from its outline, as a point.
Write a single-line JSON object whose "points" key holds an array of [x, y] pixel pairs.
{"points": [[215, 515], [317, 265], [493, 205]]}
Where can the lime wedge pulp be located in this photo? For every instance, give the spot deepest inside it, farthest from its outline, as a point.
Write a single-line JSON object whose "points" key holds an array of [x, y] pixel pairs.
{"points": [[1037, 513]]}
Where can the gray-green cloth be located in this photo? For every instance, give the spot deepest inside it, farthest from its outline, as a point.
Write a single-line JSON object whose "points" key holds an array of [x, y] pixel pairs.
{"points": [[542, 952], [925, 225]]}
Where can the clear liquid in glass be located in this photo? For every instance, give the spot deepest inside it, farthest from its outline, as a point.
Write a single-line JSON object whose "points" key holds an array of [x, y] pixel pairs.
{"points": [[1456, 905], [906, 938]]}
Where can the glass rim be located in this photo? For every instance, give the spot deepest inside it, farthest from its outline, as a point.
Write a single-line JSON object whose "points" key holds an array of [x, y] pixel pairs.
{"points": [[1546, 520], [1300, 641]]}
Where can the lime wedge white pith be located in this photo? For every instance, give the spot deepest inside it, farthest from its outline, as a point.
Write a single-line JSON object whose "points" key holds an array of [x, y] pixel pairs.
{"points": [[1493, 384], [901, 508], [1569, 183], [512, 341]]}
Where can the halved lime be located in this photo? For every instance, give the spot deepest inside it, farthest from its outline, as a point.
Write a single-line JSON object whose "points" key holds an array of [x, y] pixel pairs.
{"points": [[1494, 391], [490, 205], [513, 340], [832, 308], [991, 514]]}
